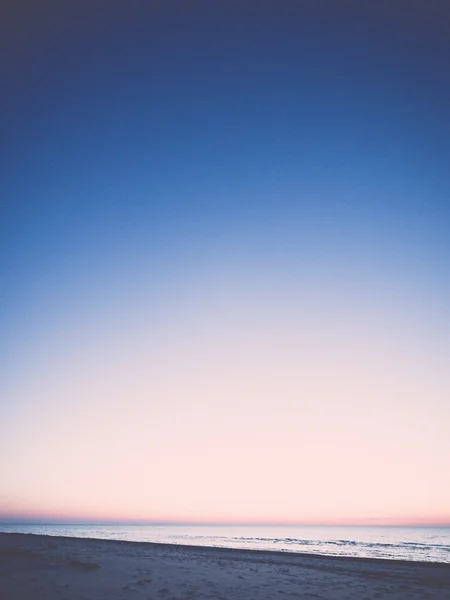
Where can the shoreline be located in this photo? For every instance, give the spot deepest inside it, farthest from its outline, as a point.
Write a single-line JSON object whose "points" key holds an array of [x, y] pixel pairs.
{"points": [[47, 567], [269, 553]]}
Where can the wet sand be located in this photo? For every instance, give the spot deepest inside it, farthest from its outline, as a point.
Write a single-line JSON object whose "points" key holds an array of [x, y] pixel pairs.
{"points": [[34, 567]]}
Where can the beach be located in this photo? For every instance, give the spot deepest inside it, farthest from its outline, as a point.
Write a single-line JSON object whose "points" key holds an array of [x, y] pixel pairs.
{"points": [[34, 567]]}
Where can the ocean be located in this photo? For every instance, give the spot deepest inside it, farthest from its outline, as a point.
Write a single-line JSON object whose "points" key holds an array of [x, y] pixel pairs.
{"points": [[431, 544]]}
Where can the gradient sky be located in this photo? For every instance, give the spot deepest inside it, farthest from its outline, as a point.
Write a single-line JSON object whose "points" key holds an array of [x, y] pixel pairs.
{"points": [[225, 259]]}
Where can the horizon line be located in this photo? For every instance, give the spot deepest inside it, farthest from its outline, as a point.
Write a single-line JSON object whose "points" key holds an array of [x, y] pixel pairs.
{"points": [[123, 522]]}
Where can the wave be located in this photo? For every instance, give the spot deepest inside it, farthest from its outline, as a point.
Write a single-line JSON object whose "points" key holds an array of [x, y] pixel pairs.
{"points": [[300, 541], [326, 543]]}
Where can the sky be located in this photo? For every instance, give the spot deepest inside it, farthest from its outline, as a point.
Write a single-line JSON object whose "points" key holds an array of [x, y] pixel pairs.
{"points": [[225, 258]]}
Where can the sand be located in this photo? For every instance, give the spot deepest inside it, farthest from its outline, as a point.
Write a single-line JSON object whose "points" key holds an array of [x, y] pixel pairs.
{"points": [[34, 567]]}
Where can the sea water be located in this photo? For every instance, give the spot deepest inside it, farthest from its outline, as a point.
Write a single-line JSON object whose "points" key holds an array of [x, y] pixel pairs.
{"points": [[431, 544]]}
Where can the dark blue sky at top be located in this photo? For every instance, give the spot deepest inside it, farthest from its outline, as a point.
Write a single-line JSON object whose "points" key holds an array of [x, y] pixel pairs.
{"points": [[124, 123]]}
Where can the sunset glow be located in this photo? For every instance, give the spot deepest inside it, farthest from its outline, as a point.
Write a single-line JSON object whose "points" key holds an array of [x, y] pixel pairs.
{"points": [[226, 256]]}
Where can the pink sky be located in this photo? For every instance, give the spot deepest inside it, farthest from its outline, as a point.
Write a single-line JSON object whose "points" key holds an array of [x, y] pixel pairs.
{"points": [[241, 407]]}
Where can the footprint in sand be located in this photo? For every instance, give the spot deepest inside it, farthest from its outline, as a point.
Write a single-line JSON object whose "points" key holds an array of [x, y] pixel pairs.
{"points": [[128, 588], [144, 581], [163, 591]]}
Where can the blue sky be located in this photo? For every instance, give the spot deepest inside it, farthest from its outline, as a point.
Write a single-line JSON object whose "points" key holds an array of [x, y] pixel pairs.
{"points": [[178, 168]]}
